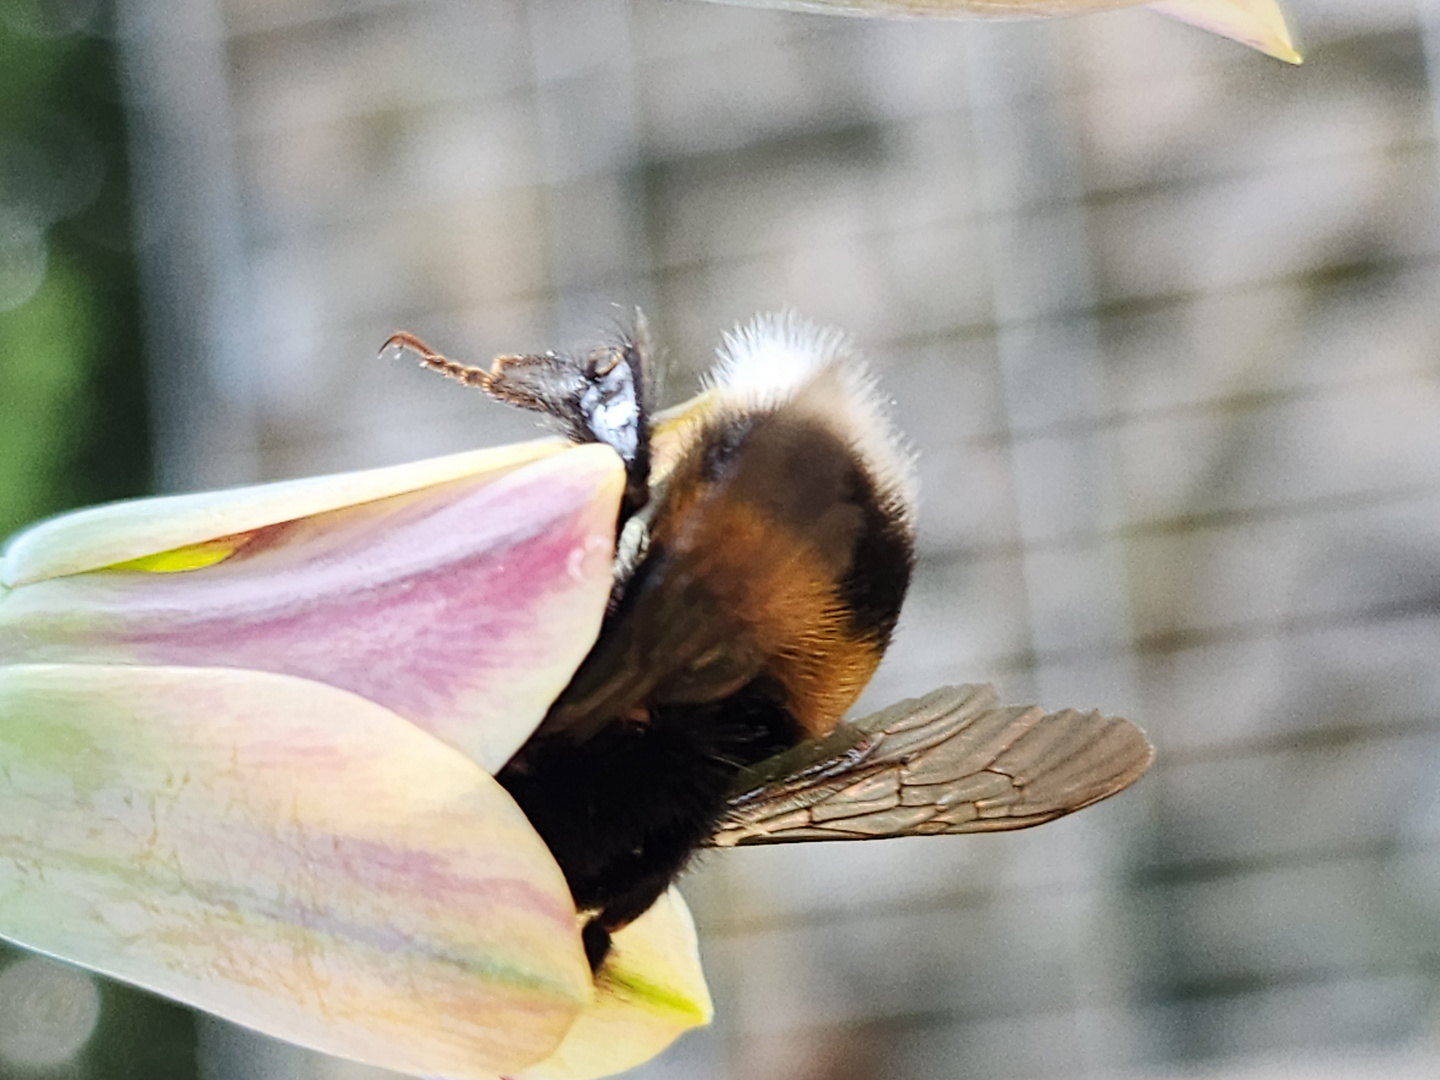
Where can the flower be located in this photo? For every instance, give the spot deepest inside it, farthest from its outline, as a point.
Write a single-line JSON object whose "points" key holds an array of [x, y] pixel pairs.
{"points": [[1258, 23], [247, 746]]}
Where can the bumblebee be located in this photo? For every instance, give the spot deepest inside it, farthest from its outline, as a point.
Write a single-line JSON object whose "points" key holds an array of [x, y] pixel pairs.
{"points": [[764, 546]]}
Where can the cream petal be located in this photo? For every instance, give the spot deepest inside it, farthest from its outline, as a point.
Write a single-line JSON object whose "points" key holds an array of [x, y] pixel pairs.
{"points": [[288, 856], [465, 606], [1258, 23], [649, 990], [1255, 22], [120, 532], [942, 9]]}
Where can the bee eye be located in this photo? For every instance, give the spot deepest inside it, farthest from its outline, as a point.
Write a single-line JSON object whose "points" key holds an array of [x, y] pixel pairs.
{"points": [[721, 451]]}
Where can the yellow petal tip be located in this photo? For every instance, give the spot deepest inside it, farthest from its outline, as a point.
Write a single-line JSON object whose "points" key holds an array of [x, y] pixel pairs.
{"points": [[192, 557], [649, 991], [1257, 23]]}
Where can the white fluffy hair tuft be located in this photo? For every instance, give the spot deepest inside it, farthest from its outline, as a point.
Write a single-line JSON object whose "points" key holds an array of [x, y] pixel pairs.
{"points": [[782, 359]]}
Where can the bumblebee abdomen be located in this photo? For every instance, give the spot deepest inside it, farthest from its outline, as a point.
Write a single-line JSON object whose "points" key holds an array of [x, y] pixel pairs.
{"points": [[789, 534]]}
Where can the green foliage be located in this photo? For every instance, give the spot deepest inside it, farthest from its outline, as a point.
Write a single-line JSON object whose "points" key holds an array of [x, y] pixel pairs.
{"points": [[73, 425], [72, 395]]}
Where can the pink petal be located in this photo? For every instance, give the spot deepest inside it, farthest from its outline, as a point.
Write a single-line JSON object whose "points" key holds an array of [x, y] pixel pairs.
{"points": [[285, 855], [464, 607], [120, 532]]}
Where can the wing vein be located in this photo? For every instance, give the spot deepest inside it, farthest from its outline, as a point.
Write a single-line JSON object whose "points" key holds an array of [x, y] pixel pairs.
{"points": [[951, 762]]}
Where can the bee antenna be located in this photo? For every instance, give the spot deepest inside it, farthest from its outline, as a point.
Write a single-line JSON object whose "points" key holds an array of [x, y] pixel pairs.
{"points": [[405, 342]]}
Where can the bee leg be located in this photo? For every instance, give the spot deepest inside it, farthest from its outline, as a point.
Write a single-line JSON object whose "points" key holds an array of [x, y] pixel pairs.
{"points": [[406, 342], [597, 943], [621, 911], [598, 397]]}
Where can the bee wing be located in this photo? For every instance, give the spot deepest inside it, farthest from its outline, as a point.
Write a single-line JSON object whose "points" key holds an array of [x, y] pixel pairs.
{"points": [[669, 624], [950, 762]]}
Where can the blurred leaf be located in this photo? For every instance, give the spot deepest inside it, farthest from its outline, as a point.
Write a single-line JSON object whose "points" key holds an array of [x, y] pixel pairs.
{"points": [[73, 425]]}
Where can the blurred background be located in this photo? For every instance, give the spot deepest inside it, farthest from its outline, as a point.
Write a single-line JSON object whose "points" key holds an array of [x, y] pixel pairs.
{"points": [[1161, 316]]}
